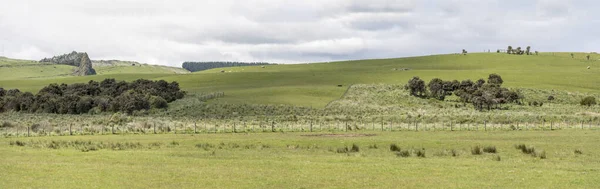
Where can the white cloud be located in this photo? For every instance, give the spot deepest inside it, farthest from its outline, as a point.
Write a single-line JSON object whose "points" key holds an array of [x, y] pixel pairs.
{"points": [[289, 31]]}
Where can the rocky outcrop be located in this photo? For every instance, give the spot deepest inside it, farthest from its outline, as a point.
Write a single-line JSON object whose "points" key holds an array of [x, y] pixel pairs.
{"points": [[80, 60]]}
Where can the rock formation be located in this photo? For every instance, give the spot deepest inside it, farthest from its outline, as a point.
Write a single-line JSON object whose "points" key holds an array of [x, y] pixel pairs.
{"points": [[80, 60]]}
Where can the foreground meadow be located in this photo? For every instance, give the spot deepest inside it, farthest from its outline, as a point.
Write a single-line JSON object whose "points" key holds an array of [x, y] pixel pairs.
{"points": [[431, 159]]}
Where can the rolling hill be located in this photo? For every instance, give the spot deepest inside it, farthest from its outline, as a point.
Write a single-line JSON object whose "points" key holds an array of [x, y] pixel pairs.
{"points": [[318, 84]]}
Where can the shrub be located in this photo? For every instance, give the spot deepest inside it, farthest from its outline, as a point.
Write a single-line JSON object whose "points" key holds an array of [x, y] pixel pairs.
{"points": [[578, 151], [158, 102], [550, 98], [588, 101], [373, 146], [490, 149], [477, 150], [394, 148]]}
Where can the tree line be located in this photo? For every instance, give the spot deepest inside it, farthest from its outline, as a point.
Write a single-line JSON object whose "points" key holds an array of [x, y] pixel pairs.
{"points": [[479, 93], [199, 66], [108, 95], [520, 51]]}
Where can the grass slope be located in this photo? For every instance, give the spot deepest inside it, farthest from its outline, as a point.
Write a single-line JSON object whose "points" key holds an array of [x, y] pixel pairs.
{"points": [[317, 84]]}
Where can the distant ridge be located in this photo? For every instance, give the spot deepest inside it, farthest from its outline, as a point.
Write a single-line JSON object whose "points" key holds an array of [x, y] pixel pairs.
{"points": [[200, 66]]}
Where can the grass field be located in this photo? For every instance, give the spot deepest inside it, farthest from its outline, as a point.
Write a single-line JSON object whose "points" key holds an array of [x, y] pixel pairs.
{"points": [[293, 160]]}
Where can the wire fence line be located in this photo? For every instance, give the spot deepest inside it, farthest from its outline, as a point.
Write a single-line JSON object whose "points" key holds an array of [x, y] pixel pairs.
{"points": [[257, 126]]}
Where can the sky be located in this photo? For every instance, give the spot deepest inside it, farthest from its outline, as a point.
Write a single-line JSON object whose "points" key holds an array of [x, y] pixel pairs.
{"points": [[290, 31]]}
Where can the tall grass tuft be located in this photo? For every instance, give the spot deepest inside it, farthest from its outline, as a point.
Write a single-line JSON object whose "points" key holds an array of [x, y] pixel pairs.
{"points": [[403, 153], [477, 150], [490, 149]]}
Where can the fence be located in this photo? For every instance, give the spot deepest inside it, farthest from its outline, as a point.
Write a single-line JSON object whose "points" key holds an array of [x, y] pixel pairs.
{"points": [[256, 126]]}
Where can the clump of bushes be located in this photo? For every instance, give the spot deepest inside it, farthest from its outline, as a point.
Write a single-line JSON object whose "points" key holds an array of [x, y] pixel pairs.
{"points": [[481, 94], [394, 148], [105, 96]]}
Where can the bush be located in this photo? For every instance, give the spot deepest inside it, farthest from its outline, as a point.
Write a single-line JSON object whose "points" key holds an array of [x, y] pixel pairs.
{"points": [[578, 152], [394, 148], [588, 101], [158, 102], [550, 98]]}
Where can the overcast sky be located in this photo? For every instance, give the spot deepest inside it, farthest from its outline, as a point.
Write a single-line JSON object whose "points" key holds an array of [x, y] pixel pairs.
{"points": [[290, 31]]}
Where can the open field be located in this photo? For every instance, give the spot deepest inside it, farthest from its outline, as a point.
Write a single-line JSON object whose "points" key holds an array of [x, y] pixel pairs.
{"points": [[302, 160]]}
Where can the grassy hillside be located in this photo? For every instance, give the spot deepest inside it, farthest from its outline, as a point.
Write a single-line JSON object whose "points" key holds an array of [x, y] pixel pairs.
{"points": [[317, 84], [29, 71]]}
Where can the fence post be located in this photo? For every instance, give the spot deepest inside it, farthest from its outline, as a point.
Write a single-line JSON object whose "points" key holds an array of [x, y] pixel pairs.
{"points": [[311, 126], [416, 126], [234, 130], [70, 131], [154, 127], [273, 126], [28, 130]]}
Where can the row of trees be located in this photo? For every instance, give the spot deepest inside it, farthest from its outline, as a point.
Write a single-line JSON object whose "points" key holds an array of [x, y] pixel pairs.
{"points": [[107, 95], [199, 66], [481, 94], [519, 51]]}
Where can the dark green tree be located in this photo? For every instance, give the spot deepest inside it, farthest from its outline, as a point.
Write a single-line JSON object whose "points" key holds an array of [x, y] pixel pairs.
{"points": [[417, 87]]}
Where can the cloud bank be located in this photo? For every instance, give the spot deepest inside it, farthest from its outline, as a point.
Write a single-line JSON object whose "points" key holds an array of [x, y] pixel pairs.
{"points": [[290, 31]]}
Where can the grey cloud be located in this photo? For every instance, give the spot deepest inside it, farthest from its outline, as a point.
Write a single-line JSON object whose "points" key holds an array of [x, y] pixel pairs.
{"points": [[290, 31]]}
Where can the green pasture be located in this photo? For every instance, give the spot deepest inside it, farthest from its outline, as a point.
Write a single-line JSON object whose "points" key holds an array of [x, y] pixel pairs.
{"points": [[302, 160]]}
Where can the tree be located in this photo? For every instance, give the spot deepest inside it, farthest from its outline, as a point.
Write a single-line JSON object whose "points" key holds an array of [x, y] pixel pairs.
{"points": [[528, 50], [588, 101], [417, 87], [536, 52], [436, 88], [464, 52], [480, 82], [509, 50], [588, 57], [495, 79], [572, 55], [519, 51]]}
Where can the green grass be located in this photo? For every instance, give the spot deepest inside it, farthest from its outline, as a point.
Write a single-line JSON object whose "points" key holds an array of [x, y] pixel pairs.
{"points": [[290, 160], [316, 84]]}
